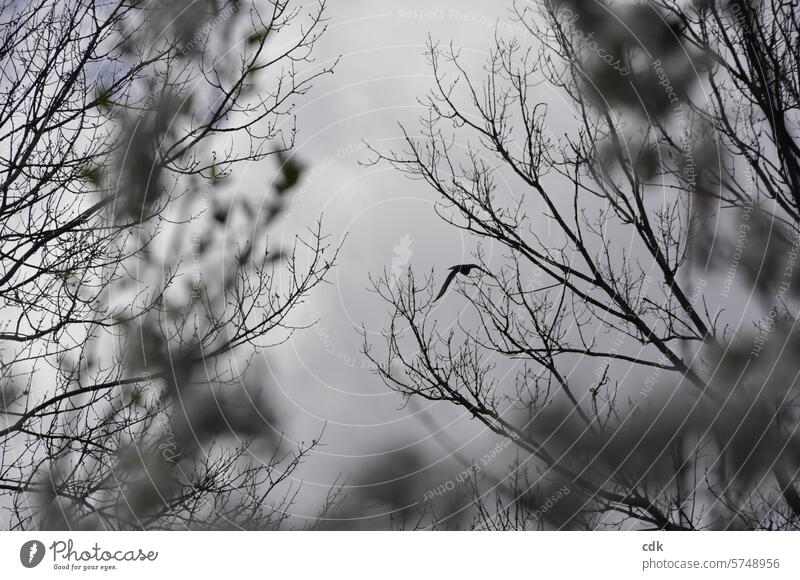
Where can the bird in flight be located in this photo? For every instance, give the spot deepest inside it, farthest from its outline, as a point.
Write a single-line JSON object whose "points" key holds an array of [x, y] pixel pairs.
{"points": [[464, 269]]}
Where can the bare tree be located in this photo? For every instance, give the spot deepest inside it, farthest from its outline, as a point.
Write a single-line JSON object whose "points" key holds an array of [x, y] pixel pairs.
{"points": [[630, 324], [136, 287]]}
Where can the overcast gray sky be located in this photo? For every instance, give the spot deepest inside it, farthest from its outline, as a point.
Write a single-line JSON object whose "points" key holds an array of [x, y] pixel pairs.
{"points": [[321, 377]]}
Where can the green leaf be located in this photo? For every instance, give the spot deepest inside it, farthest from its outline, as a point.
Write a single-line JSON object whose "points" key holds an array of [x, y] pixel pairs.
{"points": [[221, 214], [244, 257], [258, 36], [92, 174], [291, 170], [136, 396], [104, 99]]}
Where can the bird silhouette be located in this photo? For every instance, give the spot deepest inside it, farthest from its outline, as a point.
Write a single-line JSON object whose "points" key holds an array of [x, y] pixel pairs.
{"points": [[464, 269]]}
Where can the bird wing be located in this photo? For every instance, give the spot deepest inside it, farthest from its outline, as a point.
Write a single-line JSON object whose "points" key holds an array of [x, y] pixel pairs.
{"points": [[447, 282]]}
